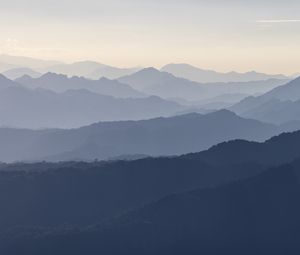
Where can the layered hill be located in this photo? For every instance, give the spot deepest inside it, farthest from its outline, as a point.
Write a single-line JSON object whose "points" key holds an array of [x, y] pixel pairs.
{"points": [[208, 76], [154, 137], [244, 203], [61, 83], [166, 85], [280, 105]]}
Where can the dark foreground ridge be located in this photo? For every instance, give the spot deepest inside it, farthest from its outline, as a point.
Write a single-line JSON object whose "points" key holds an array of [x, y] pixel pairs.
{"points": [[241, 202]]}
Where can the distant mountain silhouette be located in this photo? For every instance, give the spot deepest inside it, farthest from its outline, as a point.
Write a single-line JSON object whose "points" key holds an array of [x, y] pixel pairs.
{"points": [[272, 110], [21, 62], [61, 83], [155, 137], [289, 91], [19, 72], [111, 72], [163, 84], [278, 106], [90, 69], [222, 101], [40, 108], [6, 83], [154, 82], [146, 78], [224, 200], [4, 67], [205, 76]]}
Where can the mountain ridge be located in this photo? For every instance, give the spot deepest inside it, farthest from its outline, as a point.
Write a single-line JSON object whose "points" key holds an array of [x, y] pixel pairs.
{"points": [[194, 200], [62, 83], [277, 106], [163, 136], [201, 75]]}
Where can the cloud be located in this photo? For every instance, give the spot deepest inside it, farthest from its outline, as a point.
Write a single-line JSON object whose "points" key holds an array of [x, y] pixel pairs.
{"points": [[268, 21]]}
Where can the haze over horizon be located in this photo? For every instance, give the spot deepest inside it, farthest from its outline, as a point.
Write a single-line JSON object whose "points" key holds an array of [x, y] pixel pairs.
{"points": [[223, 36]]}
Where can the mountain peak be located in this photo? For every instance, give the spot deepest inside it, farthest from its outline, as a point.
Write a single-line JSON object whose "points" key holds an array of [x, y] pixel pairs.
{"points": [[296, 80], [2, 77], [178, 65], [104, 79], [5, 82], [149, 70], [18, 72], [51, 75], [78, 78], [25, 77]]}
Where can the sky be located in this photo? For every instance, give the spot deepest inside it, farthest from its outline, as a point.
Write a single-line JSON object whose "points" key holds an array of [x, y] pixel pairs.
{"points": [[224, 35]]}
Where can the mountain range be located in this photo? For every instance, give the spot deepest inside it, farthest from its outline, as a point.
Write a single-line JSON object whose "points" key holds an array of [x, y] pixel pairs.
{"points": [[138, 82], [97, 159], [40, 108], [6, 83], [154, 82], [277, 106], [238, 197], [91, 70], [16, 66], [61, 83], [256, 216], [11, 62], [208, 76], [19, 72], [165, 85], [96, 70], [154, 137]]}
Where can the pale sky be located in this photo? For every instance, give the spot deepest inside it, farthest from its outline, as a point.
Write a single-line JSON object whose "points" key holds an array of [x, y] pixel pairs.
{"points": [[224, 35]]}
